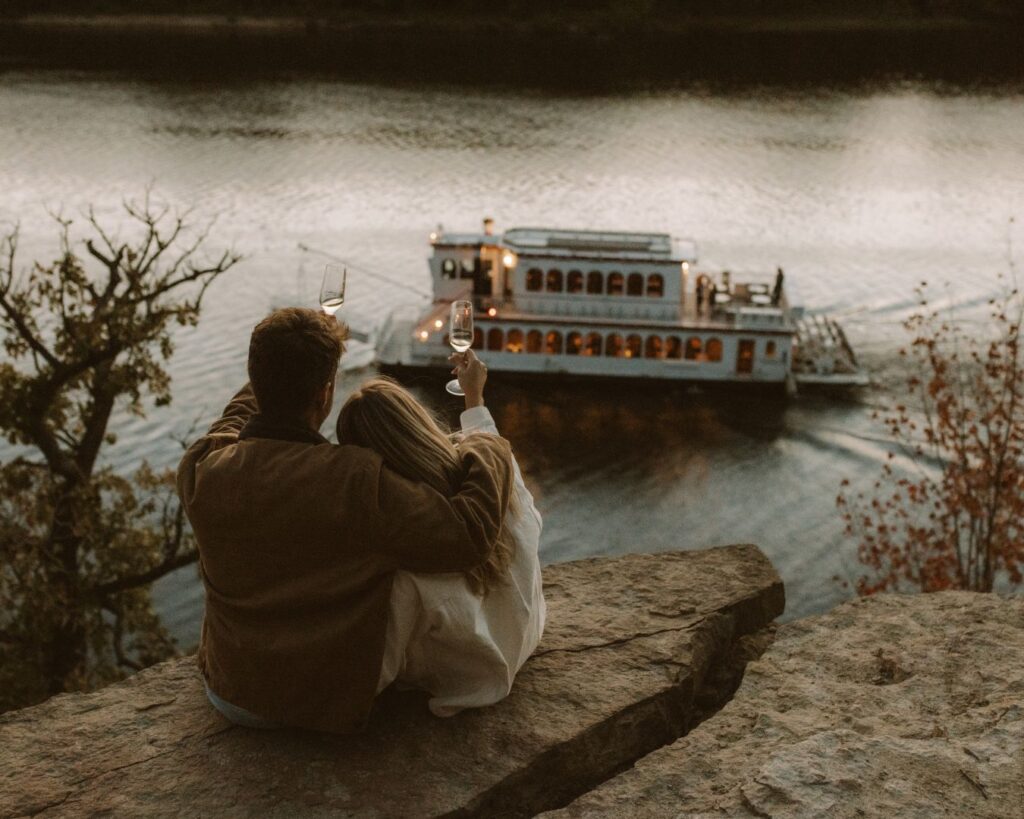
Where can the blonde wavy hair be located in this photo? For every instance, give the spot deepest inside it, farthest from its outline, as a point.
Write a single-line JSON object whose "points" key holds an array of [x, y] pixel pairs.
{"points": [[385, 417]]}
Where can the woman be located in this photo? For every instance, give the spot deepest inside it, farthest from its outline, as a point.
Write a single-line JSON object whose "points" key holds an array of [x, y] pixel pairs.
{"points": [[461, 637]]}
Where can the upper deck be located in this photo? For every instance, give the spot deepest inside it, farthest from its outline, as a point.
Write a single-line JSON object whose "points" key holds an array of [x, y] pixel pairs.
{"points": [[594, 275], [600, 245]]}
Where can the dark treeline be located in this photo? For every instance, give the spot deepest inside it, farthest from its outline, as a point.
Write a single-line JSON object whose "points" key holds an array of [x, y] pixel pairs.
{"points": [[894, 10], [572, 44]]}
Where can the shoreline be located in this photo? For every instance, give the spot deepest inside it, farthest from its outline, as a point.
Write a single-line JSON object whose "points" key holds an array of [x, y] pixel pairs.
{"points": [[567, 25], [600, 52]]}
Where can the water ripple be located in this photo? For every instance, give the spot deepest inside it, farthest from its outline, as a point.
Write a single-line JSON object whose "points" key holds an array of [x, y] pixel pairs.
{"points": [[859, 195]]}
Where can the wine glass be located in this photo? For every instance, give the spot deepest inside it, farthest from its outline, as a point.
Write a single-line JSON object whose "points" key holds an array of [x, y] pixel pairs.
{"points": [[460, 336], [332, 291]]}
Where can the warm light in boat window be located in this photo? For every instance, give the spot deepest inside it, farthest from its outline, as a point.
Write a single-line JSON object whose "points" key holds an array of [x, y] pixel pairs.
{"points": [[423, 335], [438, 324], [510, 260], [492, 311]]}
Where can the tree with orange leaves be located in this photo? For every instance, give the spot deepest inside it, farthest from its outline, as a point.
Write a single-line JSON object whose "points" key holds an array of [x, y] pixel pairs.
{"points": [[947, 512]]}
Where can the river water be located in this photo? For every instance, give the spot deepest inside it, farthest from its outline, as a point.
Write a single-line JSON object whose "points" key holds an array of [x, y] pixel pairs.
{"points": [[858, 192]]}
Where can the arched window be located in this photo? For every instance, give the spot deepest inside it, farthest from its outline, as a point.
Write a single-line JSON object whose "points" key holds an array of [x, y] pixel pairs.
{"points": [[555, 281], [553, 343], [592, 346], [694, 347], [613, 346], [449, 269], [573, 344], [575, 282], [634, 345], [495, 339], [655, 285], [769, 350], [534, 278], [514, 342], [713, 349], [616, 284], [635, 285], [673, 347], [533, 341], [595, 282], [478, 338], [653, 347]]}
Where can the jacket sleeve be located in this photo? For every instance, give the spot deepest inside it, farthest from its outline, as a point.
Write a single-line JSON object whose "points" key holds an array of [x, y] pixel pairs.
{"points": [[223, 431], [239, 409], [424, 531]]}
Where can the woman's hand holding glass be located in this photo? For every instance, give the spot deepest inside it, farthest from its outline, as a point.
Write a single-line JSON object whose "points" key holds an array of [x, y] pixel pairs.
{"points": [[472, 375]]}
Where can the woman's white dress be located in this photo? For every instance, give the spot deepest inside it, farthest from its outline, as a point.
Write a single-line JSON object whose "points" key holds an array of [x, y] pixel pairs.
{"points": [[463, 649]]}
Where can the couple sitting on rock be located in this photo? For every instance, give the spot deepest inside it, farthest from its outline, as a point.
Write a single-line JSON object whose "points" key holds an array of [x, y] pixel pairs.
{"points": [[400, 555]]}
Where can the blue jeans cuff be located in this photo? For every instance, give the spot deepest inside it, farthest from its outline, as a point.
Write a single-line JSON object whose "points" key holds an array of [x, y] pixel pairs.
{"points": [[237, 715]]}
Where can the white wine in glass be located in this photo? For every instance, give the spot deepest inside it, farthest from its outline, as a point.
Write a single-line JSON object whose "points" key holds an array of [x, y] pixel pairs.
{"points": [[460, 336], [332, 291]]}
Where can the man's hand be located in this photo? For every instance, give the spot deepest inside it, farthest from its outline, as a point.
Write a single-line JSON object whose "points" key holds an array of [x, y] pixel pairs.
{"points": [[472, 375]]}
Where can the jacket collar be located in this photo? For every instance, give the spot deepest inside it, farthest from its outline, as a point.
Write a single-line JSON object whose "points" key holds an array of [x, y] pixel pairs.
{"points": [[265, 426]]}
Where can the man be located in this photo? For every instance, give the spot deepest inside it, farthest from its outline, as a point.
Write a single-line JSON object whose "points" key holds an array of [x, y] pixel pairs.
{"points": [[299, 539]]}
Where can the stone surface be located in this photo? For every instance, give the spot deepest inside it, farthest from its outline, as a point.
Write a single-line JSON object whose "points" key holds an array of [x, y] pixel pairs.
{"points": [[629, 642], [909, 706]]}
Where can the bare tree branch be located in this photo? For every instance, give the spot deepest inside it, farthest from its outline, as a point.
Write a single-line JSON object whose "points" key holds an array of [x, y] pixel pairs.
{"points": [[134, 581], [16, 316], [117, 633]]}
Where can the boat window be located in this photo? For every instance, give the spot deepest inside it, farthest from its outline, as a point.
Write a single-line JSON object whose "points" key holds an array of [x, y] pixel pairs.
{"points": [[713, 349], [769, 350], [694, 347], [533, 341], [655, 285], [653, 347], [573, 344], [592, 346], [514, 342], [555, 281], [745, 357], [673, 347], [553, 343], [616, 284], [595, 282], [467, 269], [478, 338], [534, 278], [613, 346], [575, 282], [449, 269], [495, 339], [634, 344], [635, 285]]}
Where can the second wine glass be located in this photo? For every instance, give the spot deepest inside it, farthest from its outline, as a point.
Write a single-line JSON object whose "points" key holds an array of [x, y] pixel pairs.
{"points": [[460, 336], [332, 290]]}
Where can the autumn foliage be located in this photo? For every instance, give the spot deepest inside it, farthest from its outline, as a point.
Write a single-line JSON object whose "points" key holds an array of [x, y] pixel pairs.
{"points": [[81, 543], [947, 511]]}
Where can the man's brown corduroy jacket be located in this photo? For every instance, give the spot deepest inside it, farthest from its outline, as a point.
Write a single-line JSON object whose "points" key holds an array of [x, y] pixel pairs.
{"points": [[298, 543]]}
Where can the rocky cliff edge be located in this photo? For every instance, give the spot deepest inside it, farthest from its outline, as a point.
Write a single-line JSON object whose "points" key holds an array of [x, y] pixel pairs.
{"points": [[637, 650]]}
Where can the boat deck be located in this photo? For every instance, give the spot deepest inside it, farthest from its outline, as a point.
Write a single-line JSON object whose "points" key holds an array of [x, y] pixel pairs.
{"points": [[748, 309]]}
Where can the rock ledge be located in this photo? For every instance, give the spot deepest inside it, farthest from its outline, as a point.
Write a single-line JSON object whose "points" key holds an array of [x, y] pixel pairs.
{"points": [[637, 650], [909, 706]]}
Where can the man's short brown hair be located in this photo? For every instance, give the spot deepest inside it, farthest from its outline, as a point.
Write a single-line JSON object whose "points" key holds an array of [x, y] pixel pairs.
{"points": [[293, 354]]}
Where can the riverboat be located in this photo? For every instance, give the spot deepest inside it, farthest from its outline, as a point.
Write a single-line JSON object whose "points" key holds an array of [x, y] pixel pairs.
{"points": [[615, 304]]}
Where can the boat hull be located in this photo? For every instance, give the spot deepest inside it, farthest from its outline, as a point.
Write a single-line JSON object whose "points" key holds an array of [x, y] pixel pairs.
{"points": [[417, 373]]}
